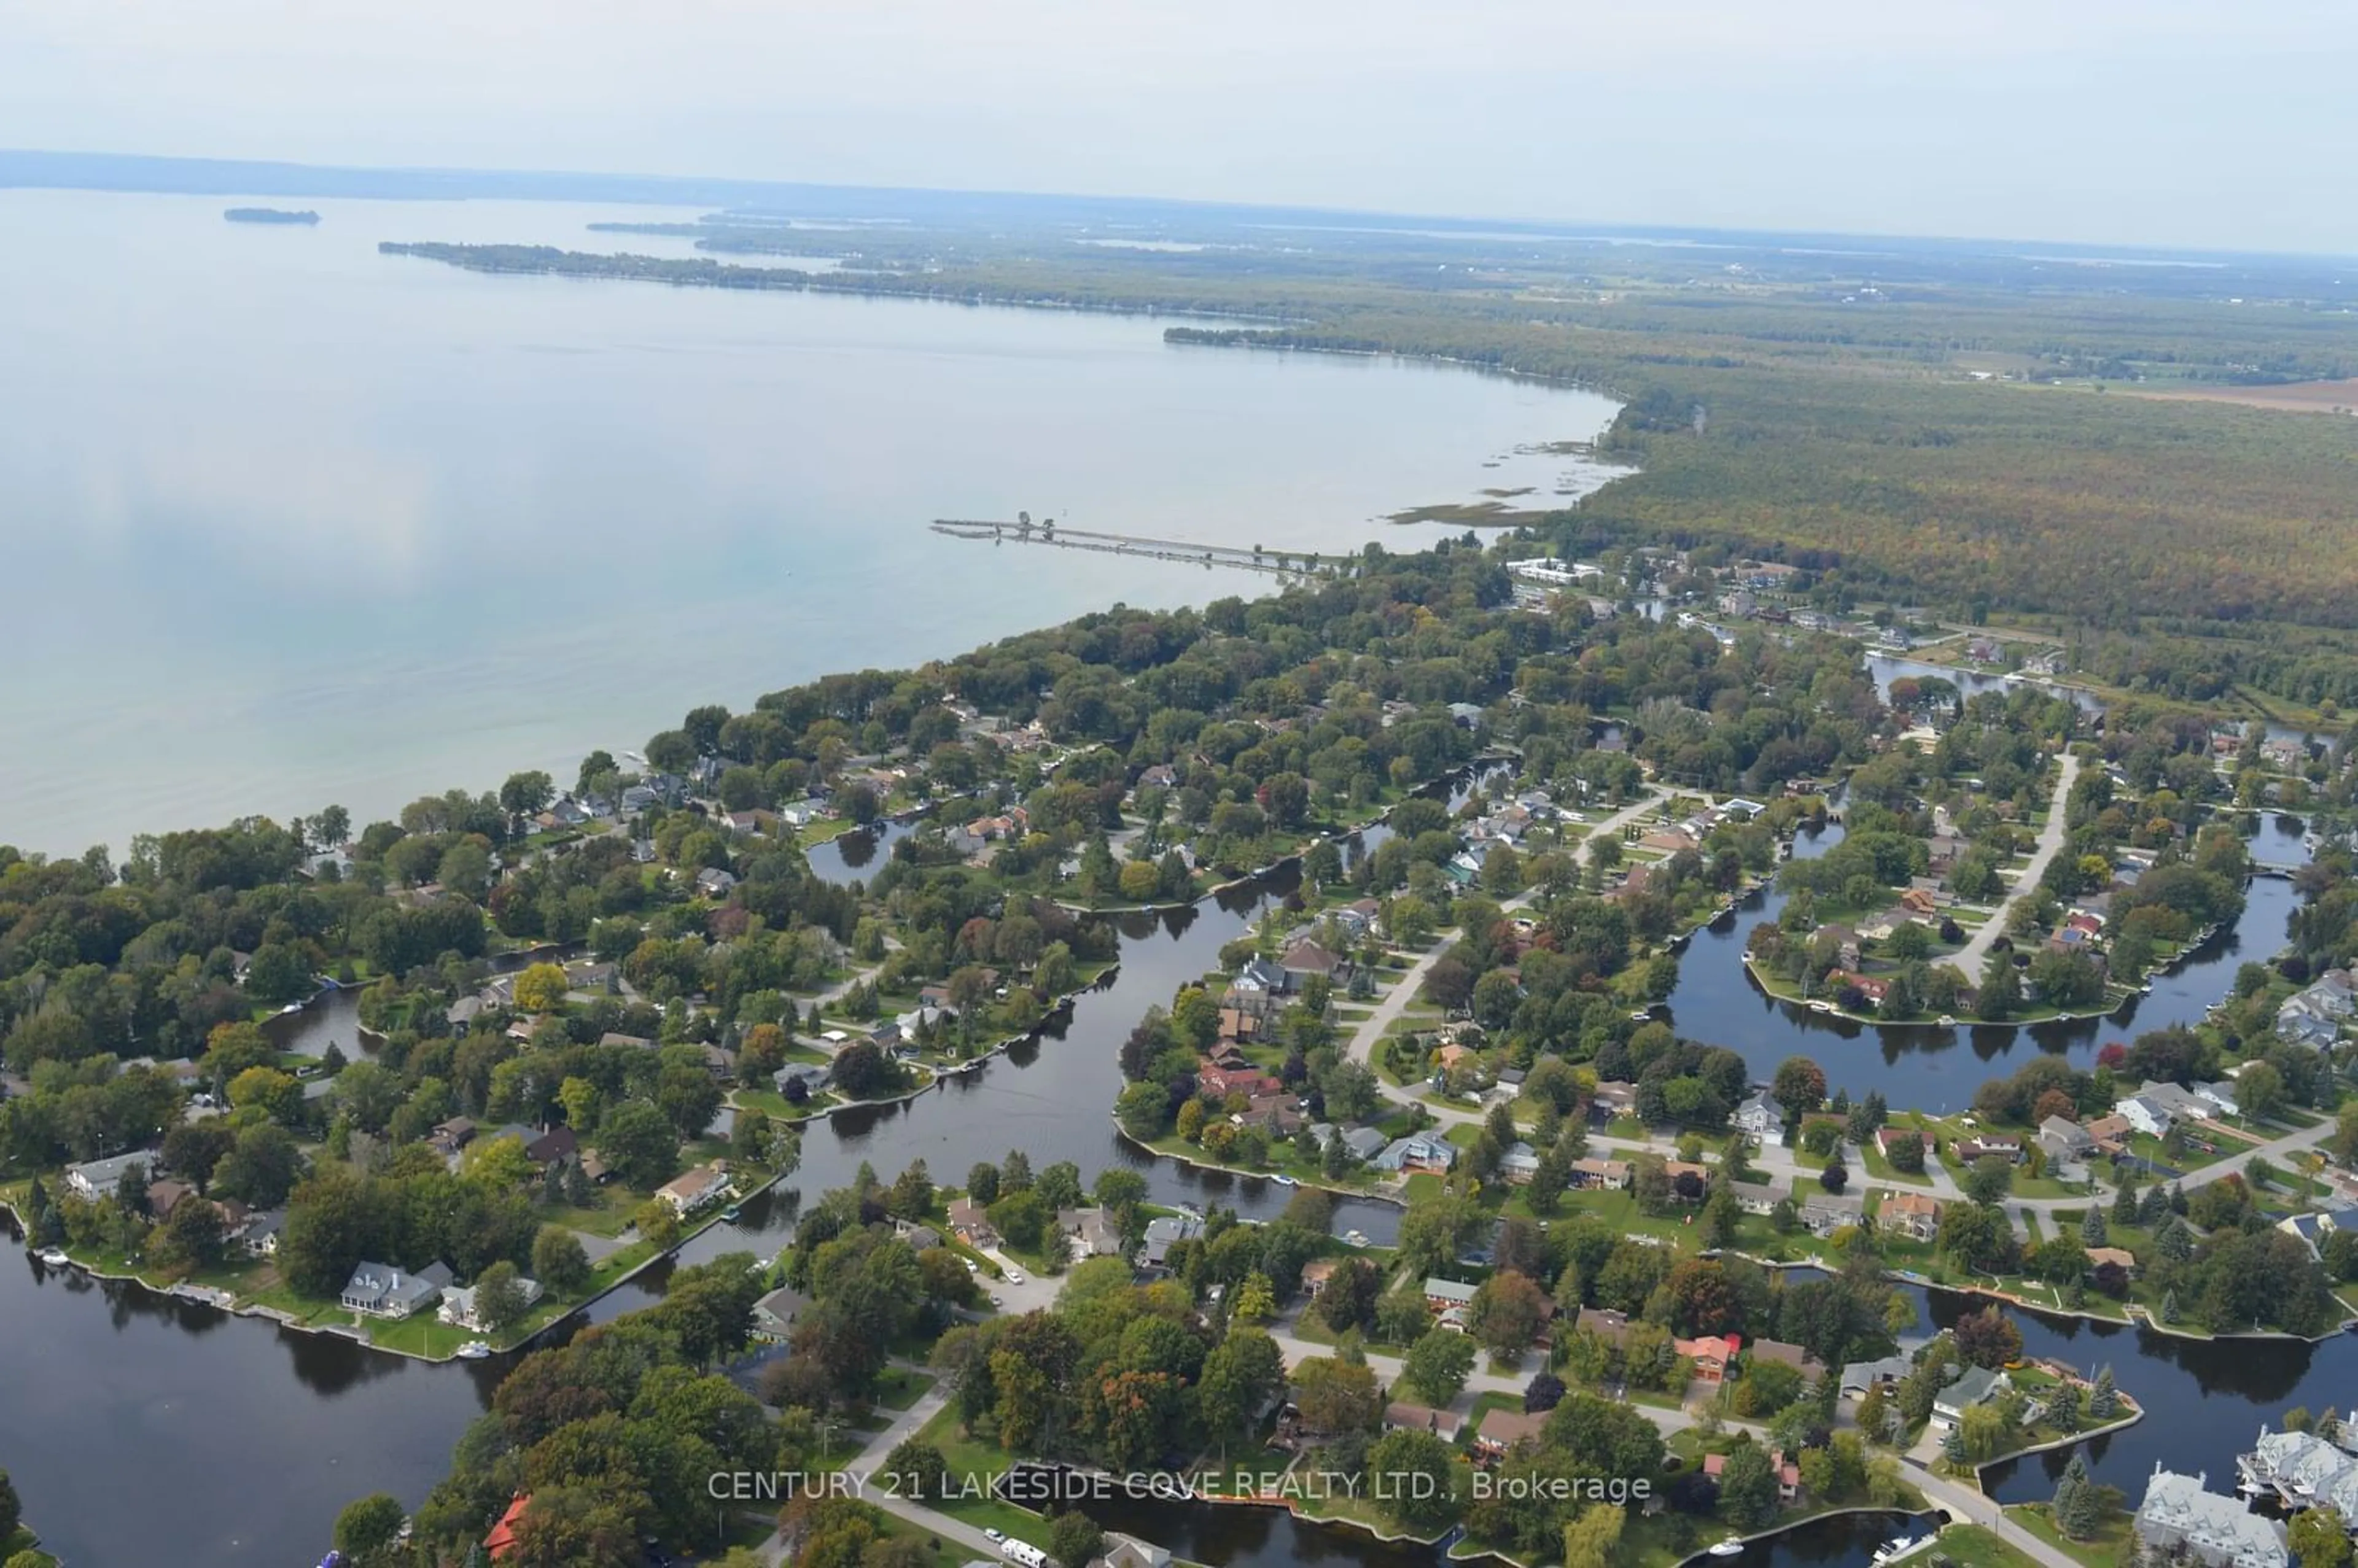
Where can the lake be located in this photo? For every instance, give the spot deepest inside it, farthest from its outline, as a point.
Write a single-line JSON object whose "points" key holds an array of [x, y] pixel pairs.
{"points": [[292, 523]]}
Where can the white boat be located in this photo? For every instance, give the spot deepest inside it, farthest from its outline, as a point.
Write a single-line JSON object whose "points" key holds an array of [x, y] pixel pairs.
{"points": [[1285, 1181], [1731, 1547], [473, 1350], [1898, 1546], [1822, 1007], [1356, 1238], [1946, 1019], [54, 1257]]}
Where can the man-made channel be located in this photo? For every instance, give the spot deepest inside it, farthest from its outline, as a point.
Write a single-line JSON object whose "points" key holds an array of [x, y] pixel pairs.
{"points": [[247, 1438]]}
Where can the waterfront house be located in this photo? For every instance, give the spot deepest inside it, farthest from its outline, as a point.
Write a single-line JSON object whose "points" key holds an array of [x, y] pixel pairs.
{"points": [[1303, 959], [448, 1137], [1442, 1295], [1759, 1117], [1128, 1552], [1978, 1386], [2178, 1514], [1916, 1215], [705, 1184], [380, 1290], [1260, 978], [2303, 1469], [502, 1543], [2119, 1258], [1315, 1274], [1093, 1231], [461, 1305], [812, 1076], [2309, 1230], [1418, 1152], [96, 1179], [1165, 1232], [775, 1314], [1968, 1149], [1825, 1213], [920, 1238], [2220, 1097], [1220, 1082]]}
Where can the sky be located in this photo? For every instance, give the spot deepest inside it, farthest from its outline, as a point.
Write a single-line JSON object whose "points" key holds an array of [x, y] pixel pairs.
{"points": [[2185, 123]]}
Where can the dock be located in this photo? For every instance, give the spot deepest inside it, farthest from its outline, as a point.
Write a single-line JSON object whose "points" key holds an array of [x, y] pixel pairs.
{"points": [[1024, 531]]}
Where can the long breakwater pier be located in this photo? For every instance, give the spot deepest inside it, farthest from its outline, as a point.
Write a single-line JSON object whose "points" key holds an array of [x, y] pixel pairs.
{"points": [[1024, 531]]}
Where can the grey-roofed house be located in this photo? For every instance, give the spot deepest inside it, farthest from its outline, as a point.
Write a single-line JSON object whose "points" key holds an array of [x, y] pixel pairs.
{"points": [[2179, 1513], [1978, 1386], [2064, 1139], [1364, 1142], [1857, 1376], [1093, 1231], [1448, 1293], [460, 1305], [1165, 1232], [775, 1314], [1519, 1164], [812, 1076], [381, 1290], [1759, 1117]]}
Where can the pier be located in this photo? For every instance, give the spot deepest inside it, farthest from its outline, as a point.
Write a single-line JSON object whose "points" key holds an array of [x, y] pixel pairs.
{"points": [[1024, 531]]}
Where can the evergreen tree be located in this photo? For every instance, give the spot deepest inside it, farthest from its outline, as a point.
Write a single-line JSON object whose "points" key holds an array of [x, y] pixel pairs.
{"points": [[2176, 1240], [2176, 1199], [2091, 1227], [2067, 1494], [2169, 1306], [2103, 1403], [2153, 1208], [2125, 1203], [1952, 1446]]}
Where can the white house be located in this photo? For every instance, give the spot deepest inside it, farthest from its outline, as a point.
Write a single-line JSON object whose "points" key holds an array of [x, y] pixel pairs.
{"points": [[458, 1304], [705, 1184], [1758, 1118], [2145, 1114]]}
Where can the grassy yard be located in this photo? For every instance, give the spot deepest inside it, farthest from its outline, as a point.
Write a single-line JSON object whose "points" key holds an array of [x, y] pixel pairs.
{"points": [[2109, 1549], [1972, 1546], [973, 1465]]}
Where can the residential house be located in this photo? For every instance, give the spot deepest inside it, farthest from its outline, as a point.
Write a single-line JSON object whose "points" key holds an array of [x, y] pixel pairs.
{"points": [[1402, 1416], [448, 1137], [1712, 1354], [920, 1238], [503, 1543], [705, 1184], [2065, 1140], [380, 1290], [1978, 1386], [971, 1225], [1519, 1164], [1916, 1215], [1612, 1327], [1165, 1232], [1857, 1376], [812, 1076], [1792, 1356], [2220, 1097], [2145, 1114], [1496, 1430], [1259, 977], [1984, 1145], [554, 1147], [96, 1179], [1593, 1173], [1787, 1473], [1128, 1551], [1615, 1099], [1442, 1294], [2179, 1514], [775, 1314], [1221, 1082], [461, 1304], [714, 883], [1825, 1213], [258, 1234], [2120, 1258], [1418, 1152], [1759, 1117], [2111, 1133], [1302, 960], [1754, 1197], [1093, 1231], [1315, 1274], [1277, 1113], [163, 1196], [2309, 1230]]}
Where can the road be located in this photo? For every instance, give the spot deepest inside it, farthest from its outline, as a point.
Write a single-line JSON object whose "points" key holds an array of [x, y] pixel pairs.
{"points": [[1970, 958]]}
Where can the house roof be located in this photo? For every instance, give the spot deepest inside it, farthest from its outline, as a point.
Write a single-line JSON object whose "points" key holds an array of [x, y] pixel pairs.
{"points": [[1448, 1290], [1506, 1428], [1977, 1384]]}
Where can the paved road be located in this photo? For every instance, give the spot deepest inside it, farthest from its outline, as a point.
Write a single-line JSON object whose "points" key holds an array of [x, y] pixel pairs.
{"points": [[1971, 957]]}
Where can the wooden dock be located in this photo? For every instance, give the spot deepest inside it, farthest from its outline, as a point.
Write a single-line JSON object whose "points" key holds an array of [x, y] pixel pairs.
{"points": [[1023, 531]]}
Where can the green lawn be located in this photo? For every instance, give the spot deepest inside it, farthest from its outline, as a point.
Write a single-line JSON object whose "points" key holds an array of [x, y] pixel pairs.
{"points": [[972, 1464], [1972, 1546], [2108, 1550]]}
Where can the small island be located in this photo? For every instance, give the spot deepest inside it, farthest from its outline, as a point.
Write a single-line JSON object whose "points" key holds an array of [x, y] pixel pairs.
{"points": [[268, 215]]}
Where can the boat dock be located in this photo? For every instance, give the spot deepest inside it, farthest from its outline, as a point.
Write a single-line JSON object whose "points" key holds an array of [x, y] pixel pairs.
{"points": [[1024, 531]]}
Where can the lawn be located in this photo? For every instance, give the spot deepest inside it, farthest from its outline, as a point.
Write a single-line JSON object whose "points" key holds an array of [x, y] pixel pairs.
{"points": [[2108, 1550], [1882, 1170], [1972, 1546], [972, 1465]]}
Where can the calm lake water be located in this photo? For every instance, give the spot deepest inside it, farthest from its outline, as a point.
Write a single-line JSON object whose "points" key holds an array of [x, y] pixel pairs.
{"points": [[292, 523]]}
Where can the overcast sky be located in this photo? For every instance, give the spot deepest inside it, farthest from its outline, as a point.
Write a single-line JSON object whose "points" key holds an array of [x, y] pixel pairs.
{"points": [[2166, 121]]}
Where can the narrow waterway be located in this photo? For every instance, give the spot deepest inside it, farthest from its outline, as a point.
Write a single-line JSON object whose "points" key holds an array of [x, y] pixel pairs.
{"points": [[259, 1435]]}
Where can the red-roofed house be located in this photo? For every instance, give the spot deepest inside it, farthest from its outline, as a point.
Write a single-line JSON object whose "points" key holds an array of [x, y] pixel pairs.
{"points": [[502, 1542], [1710, 1355], [1219, 1080]]}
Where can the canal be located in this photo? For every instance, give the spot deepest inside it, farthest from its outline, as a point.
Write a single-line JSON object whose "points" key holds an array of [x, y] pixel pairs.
{"points": [[242, 1440]]}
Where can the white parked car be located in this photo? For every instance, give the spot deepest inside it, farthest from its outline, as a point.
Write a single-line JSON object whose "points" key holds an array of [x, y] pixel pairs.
{"points": [[994, 1535], [1014, 1276]]}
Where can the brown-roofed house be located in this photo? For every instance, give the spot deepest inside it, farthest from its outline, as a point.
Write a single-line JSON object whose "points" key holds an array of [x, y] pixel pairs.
{"points": [[1498, 1430], [1776, 1350], [1918, 1214]]}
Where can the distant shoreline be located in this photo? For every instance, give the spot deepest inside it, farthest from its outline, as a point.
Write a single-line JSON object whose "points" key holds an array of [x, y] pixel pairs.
{"points": [[271, 215]]}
